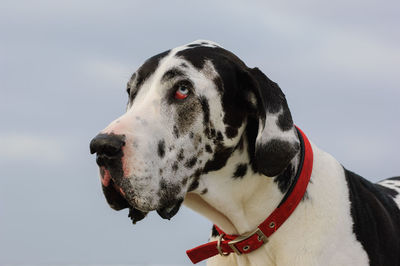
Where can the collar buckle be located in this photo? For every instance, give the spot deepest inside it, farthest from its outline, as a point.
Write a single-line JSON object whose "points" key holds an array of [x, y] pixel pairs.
{"points": [[219, 246], [261, 237]]}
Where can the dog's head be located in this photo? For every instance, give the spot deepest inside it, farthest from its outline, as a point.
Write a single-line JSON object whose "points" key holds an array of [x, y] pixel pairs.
{"points": [[189, 109]]}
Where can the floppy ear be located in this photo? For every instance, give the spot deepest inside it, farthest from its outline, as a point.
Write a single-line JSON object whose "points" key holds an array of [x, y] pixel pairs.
{"points": [[277, 142]]}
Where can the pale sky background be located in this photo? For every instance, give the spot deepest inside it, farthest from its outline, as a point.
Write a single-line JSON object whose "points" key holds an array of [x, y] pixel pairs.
{"points": [[63, 70]]}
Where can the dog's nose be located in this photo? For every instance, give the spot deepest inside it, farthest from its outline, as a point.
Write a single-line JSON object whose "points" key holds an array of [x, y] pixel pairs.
{"points": [[107, 144]]}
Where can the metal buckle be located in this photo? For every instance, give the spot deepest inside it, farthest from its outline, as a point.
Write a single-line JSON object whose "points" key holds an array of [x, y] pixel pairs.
{"points": [[260, 234], [219, 246]]}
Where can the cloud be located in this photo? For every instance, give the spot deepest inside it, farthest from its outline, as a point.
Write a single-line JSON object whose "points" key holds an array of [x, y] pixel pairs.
{"points": [[343, 37], [108, 71], [37, 149]]}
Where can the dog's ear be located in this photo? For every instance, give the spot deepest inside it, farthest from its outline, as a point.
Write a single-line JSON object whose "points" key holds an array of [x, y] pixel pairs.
{"points": [[276, 143]]}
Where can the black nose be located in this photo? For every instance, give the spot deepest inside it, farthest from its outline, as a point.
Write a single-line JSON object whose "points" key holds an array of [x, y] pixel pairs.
{"points": [[107, 144]]}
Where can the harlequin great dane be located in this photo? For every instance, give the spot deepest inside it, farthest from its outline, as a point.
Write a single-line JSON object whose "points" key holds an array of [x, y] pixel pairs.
{"points": [[203, 129]]}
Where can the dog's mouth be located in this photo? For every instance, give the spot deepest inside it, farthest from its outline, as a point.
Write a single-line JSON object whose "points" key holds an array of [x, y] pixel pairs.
{"points": [[120, 196], [122, 191], [115, 197]]}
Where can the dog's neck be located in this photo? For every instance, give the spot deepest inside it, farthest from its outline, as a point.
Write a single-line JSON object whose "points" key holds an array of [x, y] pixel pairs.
{"points": [[239, 205]]}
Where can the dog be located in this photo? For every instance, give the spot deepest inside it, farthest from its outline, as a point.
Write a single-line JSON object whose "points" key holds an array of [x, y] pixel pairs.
{"points": [[203, 129]]}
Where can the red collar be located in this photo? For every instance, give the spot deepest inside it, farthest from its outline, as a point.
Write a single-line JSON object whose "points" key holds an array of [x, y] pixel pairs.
{"points": [[243, 244]]}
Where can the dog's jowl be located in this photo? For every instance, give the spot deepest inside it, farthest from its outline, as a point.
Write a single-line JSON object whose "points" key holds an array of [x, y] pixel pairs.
{"points": [[203, 129]]}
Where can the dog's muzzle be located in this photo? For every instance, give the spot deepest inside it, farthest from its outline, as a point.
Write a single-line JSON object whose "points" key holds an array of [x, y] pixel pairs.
{"points": [[109, 155]]}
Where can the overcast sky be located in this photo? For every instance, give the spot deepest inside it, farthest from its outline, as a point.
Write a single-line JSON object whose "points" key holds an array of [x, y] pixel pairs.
{"points": [[63, 71]]}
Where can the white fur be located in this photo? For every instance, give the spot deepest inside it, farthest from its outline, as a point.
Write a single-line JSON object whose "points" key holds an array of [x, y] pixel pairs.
{"points": [[319, 232]]}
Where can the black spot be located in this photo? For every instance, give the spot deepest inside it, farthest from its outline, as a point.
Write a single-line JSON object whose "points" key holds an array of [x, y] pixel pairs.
{"points": [[376, 220], [194, 56], [160, 171], [219, 160], [194, 185], [204, 191], [195, 180], [208, 148], [180, 156], [176, 132], [214, 232], [148, 68], [197, 173], [184, 180], [163, 184], [175, 166], [206, 110], [284, 180], [212, 133], [191, 135], [207, 132], [231, 132], [191, 162], [161, 148], [274, 156], [219, 137], [284, 121], [241, 170]]}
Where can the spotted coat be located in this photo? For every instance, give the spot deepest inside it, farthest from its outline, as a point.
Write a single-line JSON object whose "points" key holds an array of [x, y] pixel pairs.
{"points": [[203, 129]]}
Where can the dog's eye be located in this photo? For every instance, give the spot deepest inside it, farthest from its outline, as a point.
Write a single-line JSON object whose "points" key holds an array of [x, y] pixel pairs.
{"points": [[182, 92]]}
